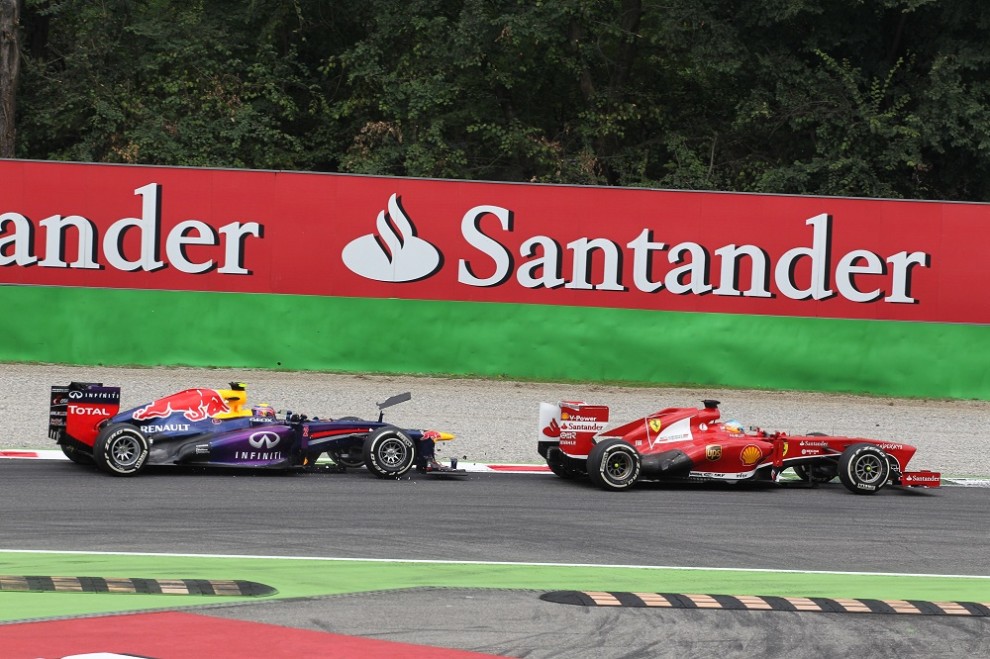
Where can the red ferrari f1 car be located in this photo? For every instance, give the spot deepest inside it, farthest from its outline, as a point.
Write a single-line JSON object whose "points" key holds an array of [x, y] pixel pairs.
{"points": [[689, 444]]}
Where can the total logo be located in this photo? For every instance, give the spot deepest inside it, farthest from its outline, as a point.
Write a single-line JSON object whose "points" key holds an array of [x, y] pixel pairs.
{"points": [[89, 411], [395, 253], [265, 439]]}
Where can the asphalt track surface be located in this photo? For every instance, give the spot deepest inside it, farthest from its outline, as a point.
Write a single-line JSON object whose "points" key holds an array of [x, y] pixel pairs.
{"points": [[484, 524], [56, 505], [493, 517]]}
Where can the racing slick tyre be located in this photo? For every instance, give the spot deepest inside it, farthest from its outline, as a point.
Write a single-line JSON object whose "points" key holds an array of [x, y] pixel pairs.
{"points": [[76, 455], [864, 468], [614, 465], [120, 450], [389, 453]]}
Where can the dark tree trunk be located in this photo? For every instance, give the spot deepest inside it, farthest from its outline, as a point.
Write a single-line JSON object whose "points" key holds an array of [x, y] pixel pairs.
{"points": [[10, 66]]}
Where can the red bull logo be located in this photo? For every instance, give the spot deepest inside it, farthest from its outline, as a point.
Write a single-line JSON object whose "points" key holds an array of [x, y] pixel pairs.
{"points": [[194, 404]]}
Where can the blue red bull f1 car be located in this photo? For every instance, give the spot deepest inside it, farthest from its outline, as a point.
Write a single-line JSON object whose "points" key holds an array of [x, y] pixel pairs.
{"points": [[216, 428]]}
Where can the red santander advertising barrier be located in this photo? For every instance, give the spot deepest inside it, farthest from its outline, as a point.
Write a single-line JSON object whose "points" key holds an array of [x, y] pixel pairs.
{"points": [[333, 235], [342, 236]]}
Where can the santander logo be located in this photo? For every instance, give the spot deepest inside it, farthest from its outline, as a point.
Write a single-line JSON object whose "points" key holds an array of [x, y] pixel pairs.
{"points": [[395, 253], [636, 261]]}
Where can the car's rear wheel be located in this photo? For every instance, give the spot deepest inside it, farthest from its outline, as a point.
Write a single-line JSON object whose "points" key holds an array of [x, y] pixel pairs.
{"points": [[864, 468], [614, 465], [389, 453], [120, 450]]}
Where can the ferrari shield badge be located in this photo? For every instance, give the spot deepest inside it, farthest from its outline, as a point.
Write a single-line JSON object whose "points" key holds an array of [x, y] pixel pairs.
{"points": [[655, 425]]}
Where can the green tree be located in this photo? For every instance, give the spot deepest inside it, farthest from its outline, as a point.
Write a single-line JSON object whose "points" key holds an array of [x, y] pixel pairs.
{"points": [[165, 82], [846, 97], [10, 67]]}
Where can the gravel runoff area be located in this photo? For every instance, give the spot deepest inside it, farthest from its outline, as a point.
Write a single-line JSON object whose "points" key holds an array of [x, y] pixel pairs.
{"points": [[496, 421]]}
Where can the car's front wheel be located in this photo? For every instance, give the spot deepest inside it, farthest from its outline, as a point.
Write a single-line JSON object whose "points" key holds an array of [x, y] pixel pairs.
{"points": [[389, 453], [864, 468], [614, 465], [120, 450]]}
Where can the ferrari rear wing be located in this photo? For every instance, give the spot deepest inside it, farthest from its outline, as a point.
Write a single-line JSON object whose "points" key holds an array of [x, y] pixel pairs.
{"points": [[570, 425]]}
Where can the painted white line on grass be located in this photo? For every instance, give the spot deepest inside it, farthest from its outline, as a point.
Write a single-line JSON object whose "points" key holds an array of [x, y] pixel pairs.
{"points": [[493, 563]]}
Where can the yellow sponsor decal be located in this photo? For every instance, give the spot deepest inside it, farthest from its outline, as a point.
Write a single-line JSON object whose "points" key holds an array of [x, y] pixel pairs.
{"points": [[655, 425], [751, 455]]}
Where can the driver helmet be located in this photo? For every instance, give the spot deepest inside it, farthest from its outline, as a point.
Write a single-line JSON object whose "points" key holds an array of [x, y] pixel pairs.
{"points": [[733, 427], [263, 410]]}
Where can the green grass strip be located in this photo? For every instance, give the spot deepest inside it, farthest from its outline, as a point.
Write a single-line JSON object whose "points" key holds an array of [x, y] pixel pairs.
{"points": [[552, 343], [311, 577]]}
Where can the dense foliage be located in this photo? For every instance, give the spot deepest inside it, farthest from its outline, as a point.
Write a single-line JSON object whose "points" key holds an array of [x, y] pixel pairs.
{"points": [[887, 98]]}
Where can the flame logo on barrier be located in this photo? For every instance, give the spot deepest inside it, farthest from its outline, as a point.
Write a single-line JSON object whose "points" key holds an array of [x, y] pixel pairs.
{"points": [[395, 253]]}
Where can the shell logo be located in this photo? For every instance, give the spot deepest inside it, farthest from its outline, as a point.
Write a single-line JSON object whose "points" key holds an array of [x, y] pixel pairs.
{"points": [[655, 425], [750, 455]]}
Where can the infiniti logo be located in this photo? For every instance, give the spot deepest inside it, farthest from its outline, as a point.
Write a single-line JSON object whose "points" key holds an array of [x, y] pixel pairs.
{"points": [[266, 439], [394, 253]]}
